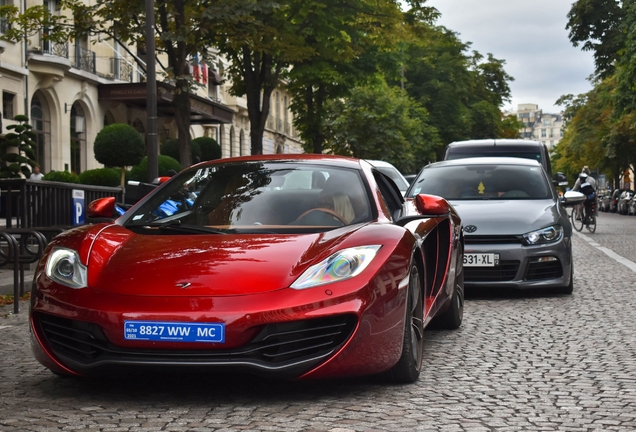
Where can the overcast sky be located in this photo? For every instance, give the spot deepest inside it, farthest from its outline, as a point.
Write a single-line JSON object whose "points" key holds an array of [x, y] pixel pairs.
{"points": [[531, 38]]}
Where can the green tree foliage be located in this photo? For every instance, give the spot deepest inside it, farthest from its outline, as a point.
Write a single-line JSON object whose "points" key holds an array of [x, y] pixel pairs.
{"points": [[210, 149], [61, 176], [17, 150], [462, 90], [596, 24], [600, 131], [381, 122], [119, 145], [100, 177], [170, 147], [166, 163]]}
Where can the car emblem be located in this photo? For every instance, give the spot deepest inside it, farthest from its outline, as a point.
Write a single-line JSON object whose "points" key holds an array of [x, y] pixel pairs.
{"points": [[183, 285], [470, 228]]}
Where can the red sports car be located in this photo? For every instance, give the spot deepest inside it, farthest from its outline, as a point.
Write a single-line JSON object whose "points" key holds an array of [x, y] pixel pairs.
{"points": [[303, 266]]}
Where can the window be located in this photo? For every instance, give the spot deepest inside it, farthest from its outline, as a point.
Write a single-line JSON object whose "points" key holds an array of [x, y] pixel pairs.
{"points": [[8, 105], [546, 122], [543, 133], [551, 133]]}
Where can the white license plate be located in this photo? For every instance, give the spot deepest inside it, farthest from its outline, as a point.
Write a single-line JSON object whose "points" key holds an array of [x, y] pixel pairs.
{"points": [[481, 259], [174, 331]]}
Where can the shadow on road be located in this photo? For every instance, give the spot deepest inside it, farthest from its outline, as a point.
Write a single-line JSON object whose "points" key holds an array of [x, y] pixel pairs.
{"points": [[490, 293]]}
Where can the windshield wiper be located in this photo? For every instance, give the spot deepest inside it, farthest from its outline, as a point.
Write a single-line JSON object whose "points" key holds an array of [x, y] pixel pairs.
{"points": [[178, 226]]}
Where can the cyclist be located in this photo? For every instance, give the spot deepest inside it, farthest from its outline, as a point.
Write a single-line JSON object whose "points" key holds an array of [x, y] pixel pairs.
{"points": [[586, 184]]}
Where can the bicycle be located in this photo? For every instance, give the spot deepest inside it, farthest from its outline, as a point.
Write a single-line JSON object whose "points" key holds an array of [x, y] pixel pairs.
{"points": [[583, 215]]}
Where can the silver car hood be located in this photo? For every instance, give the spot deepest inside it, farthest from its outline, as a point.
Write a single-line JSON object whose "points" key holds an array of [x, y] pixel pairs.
{"points": [[506, 217]]}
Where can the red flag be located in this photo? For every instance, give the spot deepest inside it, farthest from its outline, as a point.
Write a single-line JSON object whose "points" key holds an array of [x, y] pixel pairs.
{"points": [[197, 68], [204, 74]]}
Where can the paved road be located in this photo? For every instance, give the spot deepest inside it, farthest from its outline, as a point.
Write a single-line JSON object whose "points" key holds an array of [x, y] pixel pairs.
{"points": [[521, 361]]}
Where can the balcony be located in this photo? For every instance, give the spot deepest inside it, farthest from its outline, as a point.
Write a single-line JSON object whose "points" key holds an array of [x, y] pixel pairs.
{"points": [[121, 69], [48, 59], [84, 59]]}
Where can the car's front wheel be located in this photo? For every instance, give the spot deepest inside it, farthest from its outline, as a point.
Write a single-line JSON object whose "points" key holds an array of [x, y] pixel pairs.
{"points": [[407, 369]]}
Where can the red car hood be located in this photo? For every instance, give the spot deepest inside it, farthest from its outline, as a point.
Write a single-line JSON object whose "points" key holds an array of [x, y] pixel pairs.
{"points": [[123, 262]]}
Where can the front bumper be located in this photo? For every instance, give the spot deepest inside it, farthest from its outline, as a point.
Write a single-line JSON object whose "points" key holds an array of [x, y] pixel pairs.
{"points": [[286, 333], [520, 266]]}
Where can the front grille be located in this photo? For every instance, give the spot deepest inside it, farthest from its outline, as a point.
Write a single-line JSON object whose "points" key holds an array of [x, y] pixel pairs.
{"points": [[275, 346], [544, 270], [492, 239], [505, 271]]}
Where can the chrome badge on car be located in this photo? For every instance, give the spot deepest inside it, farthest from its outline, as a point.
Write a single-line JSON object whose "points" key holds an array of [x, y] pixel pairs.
{"points": [[183, 285], [470, 229]]}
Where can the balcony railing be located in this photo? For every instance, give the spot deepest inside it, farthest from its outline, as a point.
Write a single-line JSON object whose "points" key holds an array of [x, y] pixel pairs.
{"points": [[84, 59], [121, 69], [53, 48]]}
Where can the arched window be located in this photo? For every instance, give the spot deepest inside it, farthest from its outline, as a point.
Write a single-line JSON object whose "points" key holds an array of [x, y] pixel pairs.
{"points": [[241, 141], [232, 141]]}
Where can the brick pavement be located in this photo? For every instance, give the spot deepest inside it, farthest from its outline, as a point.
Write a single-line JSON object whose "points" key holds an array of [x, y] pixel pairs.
{"points": [[520, 362]]}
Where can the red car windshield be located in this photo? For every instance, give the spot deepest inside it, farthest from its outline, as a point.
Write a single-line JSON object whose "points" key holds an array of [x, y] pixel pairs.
{"points": [[257, 195]]}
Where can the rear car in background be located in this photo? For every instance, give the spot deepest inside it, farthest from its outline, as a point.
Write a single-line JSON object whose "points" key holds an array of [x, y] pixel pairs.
{"points": [[519, 148], [517, 231]]}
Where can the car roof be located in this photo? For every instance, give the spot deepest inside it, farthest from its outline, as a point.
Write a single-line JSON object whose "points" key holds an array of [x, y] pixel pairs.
{"points": [[338, 161], [485, 161], [496, 143]]}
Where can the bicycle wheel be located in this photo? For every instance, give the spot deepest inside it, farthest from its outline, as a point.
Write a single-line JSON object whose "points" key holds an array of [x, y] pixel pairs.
{"points": [[577, 224], [591, 225]]}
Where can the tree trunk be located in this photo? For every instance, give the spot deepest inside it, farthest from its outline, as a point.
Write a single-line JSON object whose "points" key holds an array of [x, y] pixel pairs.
{"points": [[314, 102], [181, 103]]}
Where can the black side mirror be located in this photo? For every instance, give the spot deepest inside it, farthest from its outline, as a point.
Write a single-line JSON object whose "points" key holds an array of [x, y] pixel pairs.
{"points": [[560, 180]]}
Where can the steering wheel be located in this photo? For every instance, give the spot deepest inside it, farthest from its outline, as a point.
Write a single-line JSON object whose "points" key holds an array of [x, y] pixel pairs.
{"points": [[324, 210]]}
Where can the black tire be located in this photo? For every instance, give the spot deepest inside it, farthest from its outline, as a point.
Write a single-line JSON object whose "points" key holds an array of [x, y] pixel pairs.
{"points": [[407, 369], [577, 224], [568, 289], [452, 318], [591, 226]]}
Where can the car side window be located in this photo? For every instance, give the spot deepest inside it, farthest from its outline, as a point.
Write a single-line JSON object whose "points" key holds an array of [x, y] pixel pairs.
{"points": [[390, 193]]}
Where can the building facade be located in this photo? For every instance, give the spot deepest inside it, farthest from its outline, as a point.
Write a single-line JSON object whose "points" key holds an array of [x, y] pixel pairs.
{"points": [[71, 91], [539, 126]]}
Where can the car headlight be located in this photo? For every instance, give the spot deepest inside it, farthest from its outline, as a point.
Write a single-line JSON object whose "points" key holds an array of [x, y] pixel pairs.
{"points": [[550, 234], [64, 267], [344, 264]]}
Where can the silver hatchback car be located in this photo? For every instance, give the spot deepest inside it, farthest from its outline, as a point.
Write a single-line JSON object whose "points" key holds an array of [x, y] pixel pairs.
{"points": [[516, 228]]}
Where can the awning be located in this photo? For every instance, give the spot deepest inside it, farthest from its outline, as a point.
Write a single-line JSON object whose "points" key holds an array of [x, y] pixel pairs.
{"points": [[202, 110]]}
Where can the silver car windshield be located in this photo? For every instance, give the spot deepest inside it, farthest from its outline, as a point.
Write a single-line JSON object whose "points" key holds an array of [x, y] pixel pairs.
{"points": [[483, 182]]}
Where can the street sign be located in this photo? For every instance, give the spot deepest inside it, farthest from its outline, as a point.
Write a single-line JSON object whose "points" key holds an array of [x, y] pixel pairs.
{"points": [[78, 207]]}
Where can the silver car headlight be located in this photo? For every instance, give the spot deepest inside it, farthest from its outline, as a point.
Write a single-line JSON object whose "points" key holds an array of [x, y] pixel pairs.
{"points": [[546, 235], [64, 267], [344, 264]]}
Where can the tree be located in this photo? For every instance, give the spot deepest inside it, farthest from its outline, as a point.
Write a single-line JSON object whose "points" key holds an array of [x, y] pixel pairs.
{"points": [[119, 145], [349, 41], [596, 24], [17, 154], [381, 122]]}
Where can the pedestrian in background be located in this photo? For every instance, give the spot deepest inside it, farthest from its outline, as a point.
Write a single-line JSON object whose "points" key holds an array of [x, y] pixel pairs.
{"points": [[36, 174]]}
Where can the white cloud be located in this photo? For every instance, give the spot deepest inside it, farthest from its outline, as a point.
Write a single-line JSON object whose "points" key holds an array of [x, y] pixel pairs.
{"points": [[531, 38]]}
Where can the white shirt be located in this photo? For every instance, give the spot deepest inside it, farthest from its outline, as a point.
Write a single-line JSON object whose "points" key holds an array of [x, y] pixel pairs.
{"points": [[35, 176]]}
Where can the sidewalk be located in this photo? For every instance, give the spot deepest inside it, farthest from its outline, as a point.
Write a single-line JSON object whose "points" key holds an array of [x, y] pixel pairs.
{"points": [[6, 280]]}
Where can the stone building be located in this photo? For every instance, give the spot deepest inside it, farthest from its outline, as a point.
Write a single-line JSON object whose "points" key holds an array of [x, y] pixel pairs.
{"points": [[539, 126], [71, 91]]}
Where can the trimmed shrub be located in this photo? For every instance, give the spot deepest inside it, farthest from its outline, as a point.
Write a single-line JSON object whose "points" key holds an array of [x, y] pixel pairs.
{"points": [[61, 176], [170, 147], [119, 145], [166, 163], [22, 139], [210, 149], [101, 177]]}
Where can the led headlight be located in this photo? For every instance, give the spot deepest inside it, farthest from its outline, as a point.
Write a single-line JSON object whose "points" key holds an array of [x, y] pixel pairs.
{"points": [[64, 267], [550, 234], [344, 264]]}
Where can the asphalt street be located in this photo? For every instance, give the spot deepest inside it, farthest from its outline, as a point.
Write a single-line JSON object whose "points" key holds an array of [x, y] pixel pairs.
{"points": [[530, 361]]}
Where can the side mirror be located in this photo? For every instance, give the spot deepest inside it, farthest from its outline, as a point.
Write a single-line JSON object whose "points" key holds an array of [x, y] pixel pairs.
{"points": [[572, 198], [560, 180], [431, 205], [101, 208]]}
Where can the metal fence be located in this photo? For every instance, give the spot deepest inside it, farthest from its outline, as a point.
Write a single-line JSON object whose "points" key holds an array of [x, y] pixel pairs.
{"points": [[27, 203]]}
